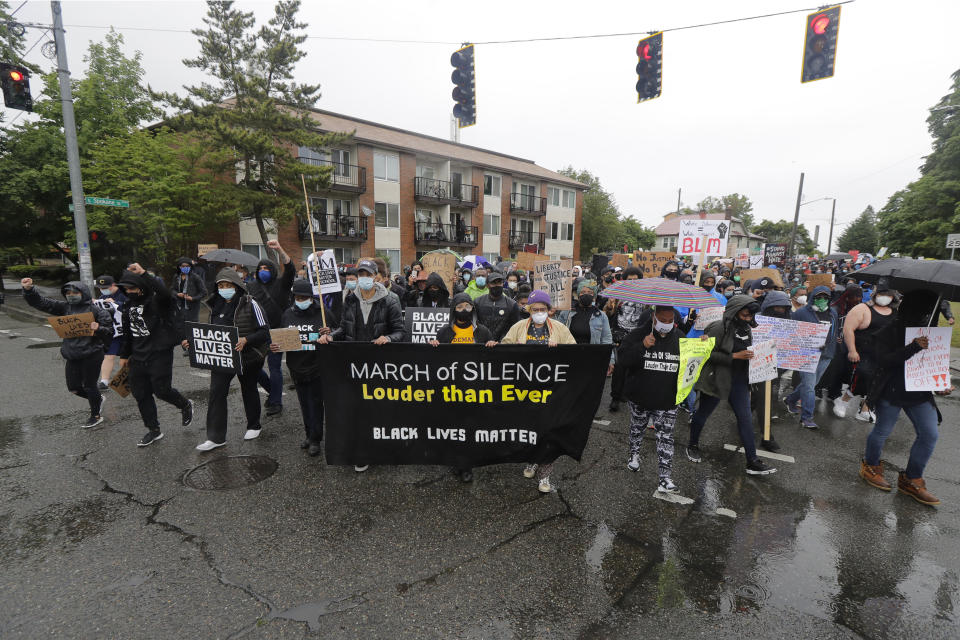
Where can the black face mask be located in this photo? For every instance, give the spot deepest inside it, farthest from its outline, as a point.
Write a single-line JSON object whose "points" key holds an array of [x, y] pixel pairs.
{"points": [[463, 318], [586, 300], [778, 312], [671, 275], [495, 291], [431, 294], [707, 287], [608, 279]]}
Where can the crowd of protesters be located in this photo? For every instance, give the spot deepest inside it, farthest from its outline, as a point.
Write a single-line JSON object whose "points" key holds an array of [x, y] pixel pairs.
{"points": [[138, 321]]}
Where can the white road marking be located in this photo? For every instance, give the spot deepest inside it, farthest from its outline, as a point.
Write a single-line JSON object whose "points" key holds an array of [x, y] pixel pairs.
{"points": [[762, 454], [4, 330], [676, 498], [603, 422], [36, 339], [730, 513]]}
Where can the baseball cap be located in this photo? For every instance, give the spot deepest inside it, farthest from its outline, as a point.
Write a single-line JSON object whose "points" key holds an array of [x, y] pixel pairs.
{"points": [[301, 287], [763, 283], [104, 281], [367, 265], [494, 276]]}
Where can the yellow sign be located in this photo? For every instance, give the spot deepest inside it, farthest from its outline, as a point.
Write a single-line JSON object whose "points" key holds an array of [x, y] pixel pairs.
{"points": [[694, 352]]}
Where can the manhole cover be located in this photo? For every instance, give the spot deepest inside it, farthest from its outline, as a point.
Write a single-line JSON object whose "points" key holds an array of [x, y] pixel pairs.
{"points": [[230, 472]]}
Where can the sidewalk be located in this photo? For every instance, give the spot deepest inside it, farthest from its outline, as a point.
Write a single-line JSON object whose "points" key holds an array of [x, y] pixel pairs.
{"points": [[16, 306]]}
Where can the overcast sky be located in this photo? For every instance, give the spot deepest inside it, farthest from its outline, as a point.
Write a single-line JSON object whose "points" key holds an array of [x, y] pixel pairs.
{"points": [[733, 116]]}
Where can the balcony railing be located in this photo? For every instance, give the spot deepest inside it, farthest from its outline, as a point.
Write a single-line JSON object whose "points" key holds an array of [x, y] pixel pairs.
{"points": [[445, 192], [529, 205], [521, 240], [344, 177], [444, 235], [333, 227]]}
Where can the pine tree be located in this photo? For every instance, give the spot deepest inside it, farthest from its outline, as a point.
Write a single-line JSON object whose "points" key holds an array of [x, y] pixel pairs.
{"points": [[861, 234]]}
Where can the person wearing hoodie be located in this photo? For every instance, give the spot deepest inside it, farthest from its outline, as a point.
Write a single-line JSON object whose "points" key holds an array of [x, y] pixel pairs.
{"points": [[478, 284], [190, 289], [151, 331], [496, 310], [83, 355], [624, 317], [112, 299], [463, 281], [306, 316], [587, 323], [817, 309], [432, 293], [725, 375], [271, 290], [776, 304], [232, 306]]}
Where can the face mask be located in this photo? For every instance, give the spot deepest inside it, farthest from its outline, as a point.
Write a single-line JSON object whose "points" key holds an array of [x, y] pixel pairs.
{"points": [[883, 300], [366, 282], [481, 281], [184, 270], [433, 294], [671, 275], [105, 292], [779, 312], [707, 287], [608, 280], [821, 304], [303, 305], [466, 276], [586, 300], [539, 318], [265, 275], [662, 327], [227, 294], [74, 298], [512, 284], [801, 300], [728, 294], [463, 317], [736, 278], [351, 284], [495, 291]]}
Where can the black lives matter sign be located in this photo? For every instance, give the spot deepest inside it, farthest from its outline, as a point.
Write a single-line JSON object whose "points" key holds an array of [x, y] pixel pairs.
{"points": [[423, 323], [214, 347]]}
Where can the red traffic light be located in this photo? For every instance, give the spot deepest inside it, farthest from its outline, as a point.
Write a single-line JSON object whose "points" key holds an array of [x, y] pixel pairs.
{"points": [[15, 75], [820, 23], [643, 51]]}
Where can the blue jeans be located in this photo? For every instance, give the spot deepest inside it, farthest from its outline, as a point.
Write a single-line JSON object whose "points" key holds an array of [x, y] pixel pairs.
{"points": [[924, 419], [273, 383], [804, 391], [691, 402], [740, 403]]}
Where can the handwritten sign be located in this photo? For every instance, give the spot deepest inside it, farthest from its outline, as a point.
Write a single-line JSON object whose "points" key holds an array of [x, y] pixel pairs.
{"points": [[763, 365], [286, 339], [72, 326], [707, 316], [651, 263], [774, 253], [206, 248], [756, 260], [756, 274], [743, 258], [213, 346], [693, 353], [556, 278], [120, 382], [526, 260], [442, 263], [322, 271], [798, 343], [818, 280], [423, 323], [697, 233], [621, 260], [929, 370]]}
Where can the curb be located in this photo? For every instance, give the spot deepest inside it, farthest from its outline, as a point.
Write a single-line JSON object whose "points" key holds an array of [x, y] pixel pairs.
{"points": [[24, 315]]}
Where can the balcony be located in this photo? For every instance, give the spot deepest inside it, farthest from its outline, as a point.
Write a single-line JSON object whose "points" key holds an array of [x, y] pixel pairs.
{"points": [[344, 177], [528, 205], [445, 192], [526, 240], [445, 235], [331, 227]]}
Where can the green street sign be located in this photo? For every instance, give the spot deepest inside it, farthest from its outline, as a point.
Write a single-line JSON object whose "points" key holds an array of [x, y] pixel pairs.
{"points": [[103, 202]]}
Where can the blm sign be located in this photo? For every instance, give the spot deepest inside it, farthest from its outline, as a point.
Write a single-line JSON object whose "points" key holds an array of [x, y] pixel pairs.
{"points": [[322, 270], [213, 346], [423, 323]]}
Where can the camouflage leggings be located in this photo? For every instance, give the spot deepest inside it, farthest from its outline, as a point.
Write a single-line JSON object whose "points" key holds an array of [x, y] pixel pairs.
{"points": [[663, 422]]}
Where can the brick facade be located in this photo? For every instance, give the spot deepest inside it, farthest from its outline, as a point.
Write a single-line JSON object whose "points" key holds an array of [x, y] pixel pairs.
{"points": [[408, 210], [506, 186]]}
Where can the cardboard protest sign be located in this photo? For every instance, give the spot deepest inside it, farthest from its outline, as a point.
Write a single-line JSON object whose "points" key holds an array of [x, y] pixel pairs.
{"points": [[286, 339], [459, 405], [774, 253], [651, 263], [72, 326], [763, 365], [798, 343], [707, 316], [206, 248], [423, 323], [696, 234], [213, 346], [556, 278], [694, 352], [755, 274], [526, 260], [929, 370], [322, 269], [621, 260], [818, 280], [120, 382], [443, 263]]}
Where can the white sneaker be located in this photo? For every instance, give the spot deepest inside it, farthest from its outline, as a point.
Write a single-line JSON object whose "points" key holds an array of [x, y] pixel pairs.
{"points": [[251, 434], [840, 408], [866, 416], [666, 486], [360, 468], [634, 463], [209, 445], [529, 471], [545, 486]]}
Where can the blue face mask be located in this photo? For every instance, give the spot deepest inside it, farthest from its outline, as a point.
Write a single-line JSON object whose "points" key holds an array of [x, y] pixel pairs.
{"points": [[466, 276], [227, 294], [481, 281], [105, 292], [351, 284], [304, 305], [366, 283], [265, 275], [184, 270]]}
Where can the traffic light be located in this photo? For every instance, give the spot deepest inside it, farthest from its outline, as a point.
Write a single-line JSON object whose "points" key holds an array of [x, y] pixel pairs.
{"points": [[15, 82], [649, 67], [465, 93], [97, 236], [820, 45]]}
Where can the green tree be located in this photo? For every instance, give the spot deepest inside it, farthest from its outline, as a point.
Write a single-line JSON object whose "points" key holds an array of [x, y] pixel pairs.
{"points": [[255, 108], [739, 206], [916, 219], [780, 232], [635, 235], [861, 234]]}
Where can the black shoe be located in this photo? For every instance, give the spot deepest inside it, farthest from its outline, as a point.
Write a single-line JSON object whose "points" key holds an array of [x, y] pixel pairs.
{"points": [[274, 409], [92, 421], [693, 453], [759, 468], [305, 444], [614, 405], [770, 445], [150, 438], [466, 475], [314, 449], [103, 386], [187, 414]]}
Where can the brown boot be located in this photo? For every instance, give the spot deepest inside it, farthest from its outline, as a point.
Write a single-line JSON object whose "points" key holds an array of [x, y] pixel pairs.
{"points": [[916, 488], [873, 475]]}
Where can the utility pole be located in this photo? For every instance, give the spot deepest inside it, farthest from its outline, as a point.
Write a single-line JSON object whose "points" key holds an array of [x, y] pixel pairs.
{"points": [[796, 219], [678, 200], [833, 210], [73, 151]]}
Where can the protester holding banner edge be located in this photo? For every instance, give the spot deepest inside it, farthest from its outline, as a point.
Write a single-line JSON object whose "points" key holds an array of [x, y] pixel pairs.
{"points": [[817, 310]]}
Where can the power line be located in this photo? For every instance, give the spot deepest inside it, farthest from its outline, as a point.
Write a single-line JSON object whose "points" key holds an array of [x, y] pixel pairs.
{"points": [[18, 8]]}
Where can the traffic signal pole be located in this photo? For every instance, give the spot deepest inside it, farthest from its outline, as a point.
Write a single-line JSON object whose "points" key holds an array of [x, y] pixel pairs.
{"points": [[796, 219], [73, 150]]}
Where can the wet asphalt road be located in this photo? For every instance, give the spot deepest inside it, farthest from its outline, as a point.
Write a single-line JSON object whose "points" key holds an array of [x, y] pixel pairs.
{"points": [[101, 539]]}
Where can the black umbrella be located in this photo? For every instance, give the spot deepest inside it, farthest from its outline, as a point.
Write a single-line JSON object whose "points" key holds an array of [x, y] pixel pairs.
{"points": [[906, 274], [839, 256], [233, 256]]}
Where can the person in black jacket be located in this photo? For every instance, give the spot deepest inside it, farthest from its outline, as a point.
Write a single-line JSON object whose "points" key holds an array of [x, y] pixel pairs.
{"points": [[650, 357], [433, 294], [83, 355], [306, 316], [496, 311], [271, 290], [149, 337], [232, 306], [190, 289]]}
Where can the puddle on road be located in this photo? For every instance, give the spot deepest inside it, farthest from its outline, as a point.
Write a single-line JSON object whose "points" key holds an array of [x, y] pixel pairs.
{"points": [[311, 612], [602, 544], [57, 524]]}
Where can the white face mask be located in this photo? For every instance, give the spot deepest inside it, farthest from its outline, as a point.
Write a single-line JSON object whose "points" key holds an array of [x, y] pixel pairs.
{"points": [[539, 318], [883, 301], [662, 328], [801, 300]]}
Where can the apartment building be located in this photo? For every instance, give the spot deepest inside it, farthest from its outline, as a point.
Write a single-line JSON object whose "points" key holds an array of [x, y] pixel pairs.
{"points": [[402, 194]]}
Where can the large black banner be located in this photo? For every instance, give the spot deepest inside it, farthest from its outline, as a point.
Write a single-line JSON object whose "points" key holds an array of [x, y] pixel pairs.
{"points": [[459, 405]]}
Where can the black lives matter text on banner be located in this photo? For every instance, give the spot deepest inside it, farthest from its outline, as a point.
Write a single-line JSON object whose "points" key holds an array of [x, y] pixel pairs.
{"points": [[213, 346], [556, 278], [459, 405], [423, 323], [324, 271]]}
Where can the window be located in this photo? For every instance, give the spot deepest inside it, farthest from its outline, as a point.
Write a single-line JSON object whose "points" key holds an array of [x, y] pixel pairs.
{"points": [[255, 249], [424, 215], [343, 255], [312, 156], [553, 231], [492, 258], [392, 258], [569, 199], [566, 231], [425, 171], [491, 225], [386, 166], [341, 163], [387, 214], [340, 208], [553, 197], [669, 242], [491, 185]]}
